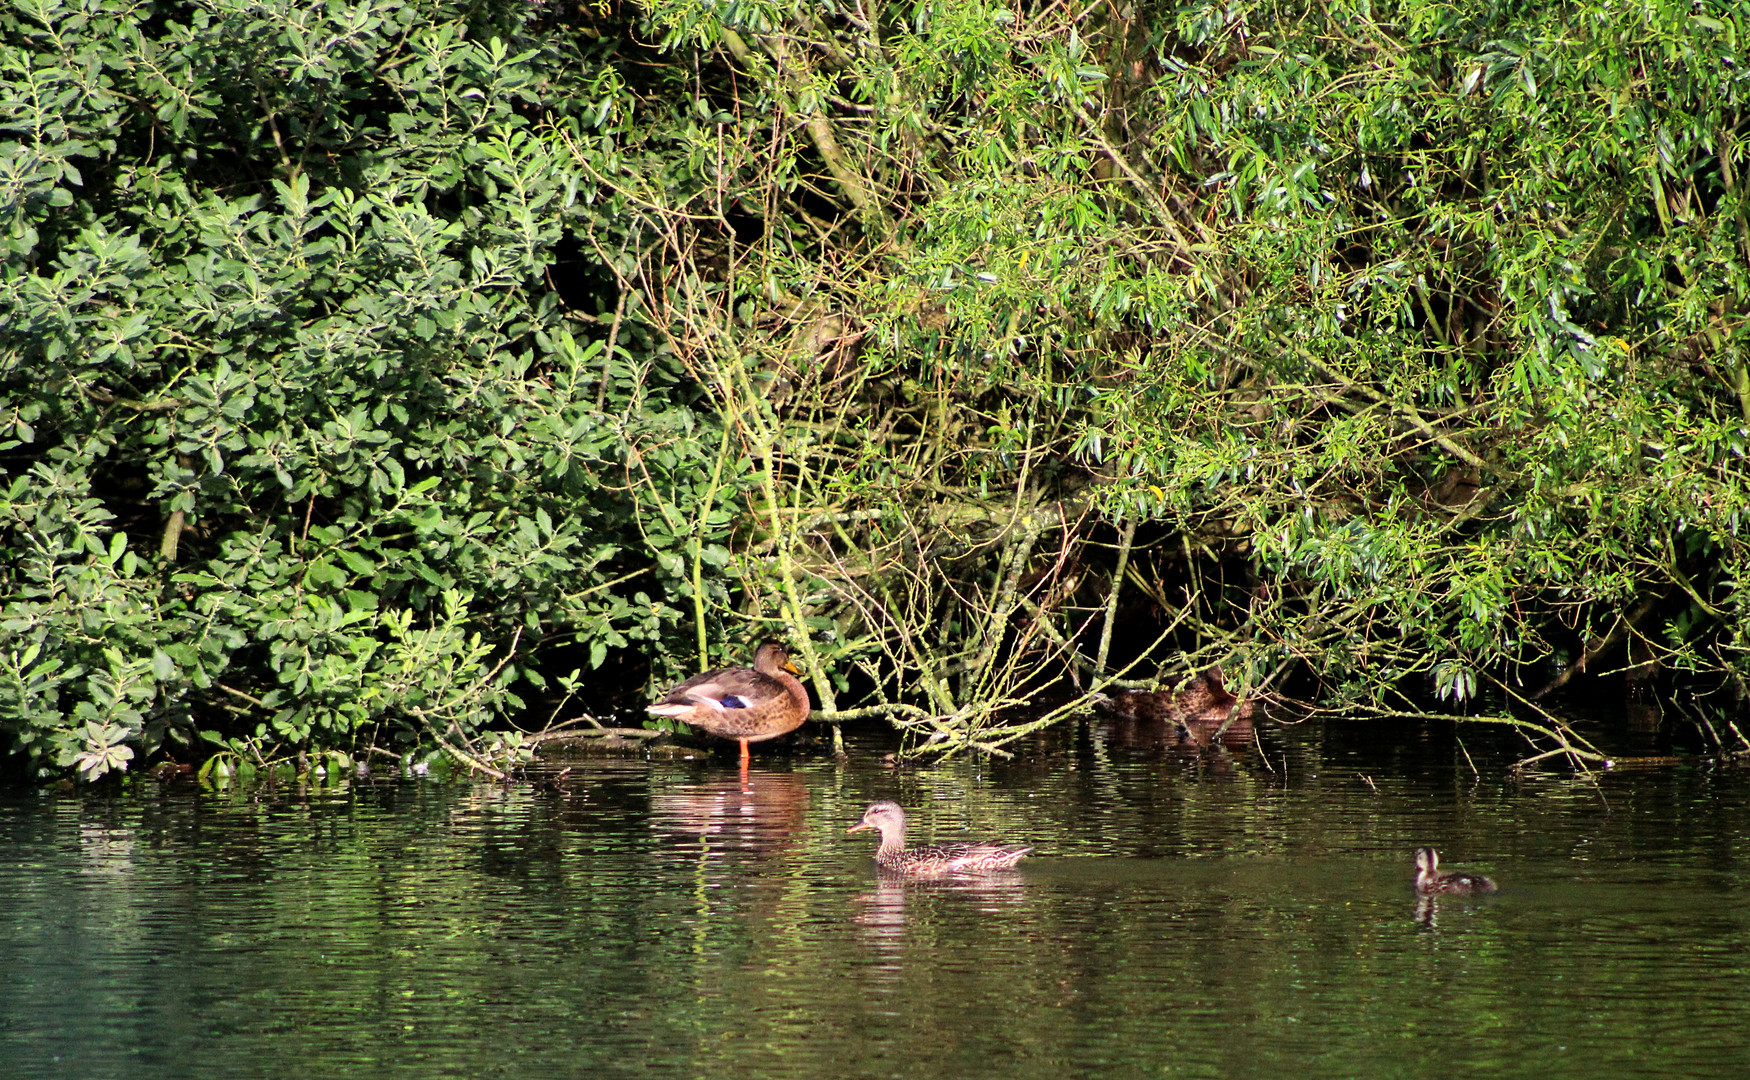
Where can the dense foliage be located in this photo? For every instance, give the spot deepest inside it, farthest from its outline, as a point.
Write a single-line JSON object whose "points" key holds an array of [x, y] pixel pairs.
{"points": [[1402, 345], [303, 448], [363, 367]]}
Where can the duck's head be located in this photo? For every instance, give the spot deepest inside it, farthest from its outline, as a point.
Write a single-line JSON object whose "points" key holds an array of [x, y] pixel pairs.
{"points": [[773, 657], [884, 815], [1427, 861]]}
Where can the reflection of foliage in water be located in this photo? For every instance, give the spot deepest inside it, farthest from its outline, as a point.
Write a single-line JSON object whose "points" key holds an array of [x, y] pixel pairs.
{"points": [[598, 931]]}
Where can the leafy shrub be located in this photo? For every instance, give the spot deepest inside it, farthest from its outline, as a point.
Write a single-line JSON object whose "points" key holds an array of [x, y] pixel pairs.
{"points": [[302, 445]]}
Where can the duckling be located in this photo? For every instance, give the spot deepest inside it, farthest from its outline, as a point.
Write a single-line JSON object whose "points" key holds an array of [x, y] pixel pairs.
{"points": [[1429, 879], [748, 705], [930, 861]]}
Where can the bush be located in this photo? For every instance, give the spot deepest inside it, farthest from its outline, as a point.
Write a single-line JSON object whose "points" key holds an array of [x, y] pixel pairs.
{"points": [[302, 445]]}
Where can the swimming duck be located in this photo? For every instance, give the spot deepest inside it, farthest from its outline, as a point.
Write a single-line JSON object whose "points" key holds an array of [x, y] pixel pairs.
{"points": [[1429, 879], [930, 861], [1204, 699], [745, 704]]}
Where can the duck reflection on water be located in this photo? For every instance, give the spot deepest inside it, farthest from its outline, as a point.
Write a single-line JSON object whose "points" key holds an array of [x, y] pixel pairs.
{"points": [[760, 812], [1428, 907], [882, 913]]}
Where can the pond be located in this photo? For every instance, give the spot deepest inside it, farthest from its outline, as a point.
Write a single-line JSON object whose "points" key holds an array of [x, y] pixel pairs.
{"points": [[1233, 912]]}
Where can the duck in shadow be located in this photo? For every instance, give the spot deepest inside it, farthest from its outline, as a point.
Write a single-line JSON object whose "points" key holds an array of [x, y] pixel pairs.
{"points": [[1203, 709]]}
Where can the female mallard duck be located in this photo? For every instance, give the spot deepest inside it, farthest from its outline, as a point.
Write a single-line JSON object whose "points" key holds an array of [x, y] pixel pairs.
{"points": [[929, 861], [745, 704], [1429, 879], [1204, 699]]}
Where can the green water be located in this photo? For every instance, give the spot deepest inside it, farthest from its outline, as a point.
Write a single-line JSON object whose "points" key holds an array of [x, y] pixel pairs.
{"points": [[1224, 914]]}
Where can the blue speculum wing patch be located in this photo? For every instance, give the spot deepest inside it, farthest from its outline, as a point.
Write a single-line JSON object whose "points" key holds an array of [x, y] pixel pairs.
{"points": [[730, 701]]}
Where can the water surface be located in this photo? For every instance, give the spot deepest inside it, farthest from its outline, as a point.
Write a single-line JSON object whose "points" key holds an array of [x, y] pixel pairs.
{"points": [[1234, 912]]}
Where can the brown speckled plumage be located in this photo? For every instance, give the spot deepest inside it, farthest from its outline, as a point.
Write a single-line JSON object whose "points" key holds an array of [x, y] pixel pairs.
{"points": [[1429, 879], [745, 704], [892, 855], [1204, 699]]}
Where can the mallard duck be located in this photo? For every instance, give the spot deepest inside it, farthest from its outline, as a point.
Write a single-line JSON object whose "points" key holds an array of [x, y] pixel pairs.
{"points": [[1205, 699], [1429, 879], [927, 861], [745, 704]]}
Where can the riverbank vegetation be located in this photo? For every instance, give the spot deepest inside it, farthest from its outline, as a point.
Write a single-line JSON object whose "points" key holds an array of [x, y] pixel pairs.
{"points": [[372, 375]]}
